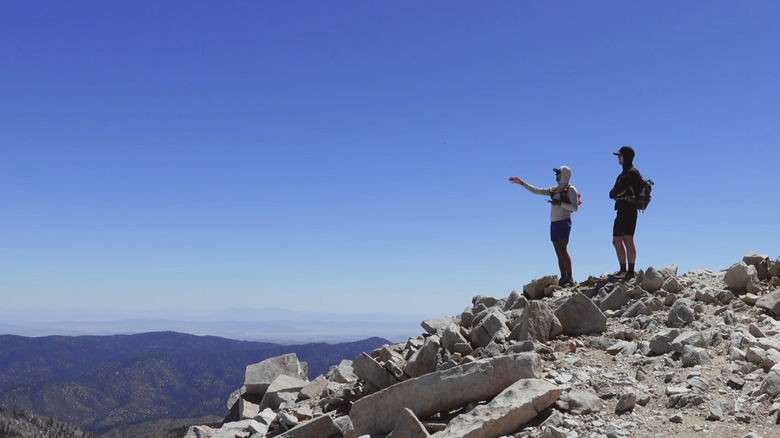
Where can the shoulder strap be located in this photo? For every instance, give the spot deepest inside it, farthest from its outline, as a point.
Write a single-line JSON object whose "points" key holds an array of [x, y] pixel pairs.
{"points": [[565, 194]]}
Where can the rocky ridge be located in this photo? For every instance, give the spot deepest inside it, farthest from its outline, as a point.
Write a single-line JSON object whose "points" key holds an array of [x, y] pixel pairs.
{"points": [[660, 354]]}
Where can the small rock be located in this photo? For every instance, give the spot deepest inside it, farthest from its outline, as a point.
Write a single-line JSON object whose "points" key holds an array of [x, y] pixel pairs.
{"points": [[626, 402], [714, 411]]}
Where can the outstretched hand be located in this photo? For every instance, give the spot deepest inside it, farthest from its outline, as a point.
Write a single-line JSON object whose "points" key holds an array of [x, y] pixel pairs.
{"points": [[516, 180]]}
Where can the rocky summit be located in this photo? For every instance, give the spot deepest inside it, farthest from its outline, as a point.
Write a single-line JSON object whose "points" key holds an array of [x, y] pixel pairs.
{"points": [[657, 355]]}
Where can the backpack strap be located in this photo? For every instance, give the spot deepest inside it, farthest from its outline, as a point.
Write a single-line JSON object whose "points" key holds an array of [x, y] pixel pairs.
{"points": [[565, 196]]}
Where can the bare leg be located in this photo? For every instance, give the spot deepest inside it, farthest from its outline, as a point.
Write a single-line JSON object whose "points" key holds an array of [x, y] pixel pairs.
{"points": [[630, 248], [564, 260], [617, 241]]}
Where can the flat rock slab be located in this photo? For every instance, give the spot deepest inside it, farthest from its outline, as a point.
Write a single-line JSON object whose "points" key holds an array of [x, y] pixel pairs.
{"points": [[442, 391], [506, 413], [320, 427]]}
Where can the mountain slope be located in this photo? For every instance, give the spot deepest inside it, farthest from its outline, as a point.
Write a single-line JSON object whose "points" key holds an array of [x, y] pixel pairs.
{"points": [[60, 358], [170, 375], [17, 423]]}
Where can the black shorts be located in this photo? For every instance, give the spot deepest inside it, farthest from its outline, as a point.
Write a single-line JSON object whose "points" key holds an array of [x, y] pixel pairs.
{"points": [[625, 222]]}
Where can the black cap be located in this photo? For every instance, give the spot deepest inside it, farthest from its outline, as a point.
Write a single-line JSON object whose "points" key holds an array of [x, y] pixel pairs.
{"points": [[626, 151]]}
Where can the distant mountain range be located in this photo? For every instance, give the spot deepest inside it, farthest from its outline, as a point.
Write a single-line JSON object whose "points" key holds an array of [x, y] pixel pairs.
{"points": [[279, 326], [99, 382]]}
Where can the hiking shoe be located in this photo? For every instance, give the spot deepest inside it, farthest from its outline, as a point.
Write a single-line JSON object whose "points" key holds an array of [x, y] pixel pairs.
{"points": [[628, 276], [566, 282], [616, 276]]}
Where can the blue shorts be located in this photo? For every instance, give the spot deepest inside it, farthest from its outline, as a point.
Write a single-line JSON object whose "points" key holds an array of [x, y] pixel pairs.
{"points": [[560, 230]]}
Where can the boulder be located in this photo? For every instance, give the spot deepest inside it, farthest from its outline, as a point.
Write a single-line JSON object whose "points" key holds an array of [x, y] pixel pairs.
{"points": [[442, 391], [714, 411], [724, 296], [199, 432], [284, 389], [436, 326], [579, 402], [652, 280], [540, 288], [260, 375], [488, 327], [680, 314], [672, 284], [706, 295], [537, 323], [773, 269], [760, 262], [692, 356], [342, 373], [741, 278], [266, 417], [771, 384], [372, 372], [466, 318], [688, 337], [626, 402], [770, 302], [668, 271], [451, 337], [504, 414], [230, 430], [408, 426], [484, 300], [425, 360], [515, 300], [623, 348], [615, 299], [320, 427], [580, 316], [234, 397], [248, 407]]}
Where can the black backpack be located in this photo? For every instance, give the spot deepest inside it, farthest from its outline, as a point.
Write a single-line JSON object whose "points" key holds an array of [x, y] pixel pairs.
{"points": [[642, 194]]}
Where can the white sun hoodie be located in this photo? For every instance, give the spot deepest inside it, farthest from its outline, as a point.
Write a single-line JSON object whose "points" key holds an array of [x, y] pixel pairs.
{"points": [[563, 210]]}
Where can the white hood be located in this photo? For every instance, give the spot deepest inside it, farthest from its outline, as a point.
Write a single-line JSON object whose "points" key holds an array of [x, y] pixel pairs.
{"points": [[565, 178]]}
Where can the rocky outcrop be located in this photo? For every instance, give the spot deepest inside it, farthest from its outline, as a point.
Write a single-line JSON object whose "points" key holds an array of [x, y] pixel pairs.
{"points": [[550, 362]]}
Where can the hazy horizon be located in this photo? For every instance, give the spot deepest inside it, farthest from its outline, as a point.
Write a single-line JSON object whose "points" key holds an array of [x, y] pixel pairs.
{"points": [[267, 325]]}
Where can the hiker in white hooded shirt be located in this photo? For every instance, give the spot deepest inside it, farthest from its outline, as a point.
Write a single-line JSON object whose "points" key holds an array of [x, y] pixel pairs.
{"points": [[564, 200]]}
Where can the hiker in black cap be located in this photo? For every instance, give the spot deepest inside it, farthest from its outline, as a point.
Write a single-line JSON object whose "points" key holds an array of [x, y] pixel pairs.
{"points": [[564, 200], [626, 185]]}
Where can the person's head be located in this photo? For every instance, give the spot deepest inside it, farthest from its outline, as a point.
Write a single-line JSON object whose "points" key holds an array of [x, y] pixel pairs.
{"points": [[625, 155], [562, 175]]}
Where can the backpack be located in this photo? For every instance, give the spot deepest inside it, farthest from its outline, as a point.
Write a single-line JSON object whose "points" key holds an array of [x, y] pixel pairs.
{"points": [[642, 197], [565, 196]]}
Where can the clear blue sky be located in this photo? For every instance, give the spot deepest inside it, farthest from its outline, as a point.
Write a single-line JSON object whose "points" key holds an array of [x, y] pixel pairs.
{"points": [[353, 156]]}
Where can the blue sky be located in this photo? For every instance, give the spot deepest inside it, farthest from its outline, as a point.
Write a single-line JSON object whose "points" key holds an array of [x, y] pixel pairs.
{"points": [[167, 158]]}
